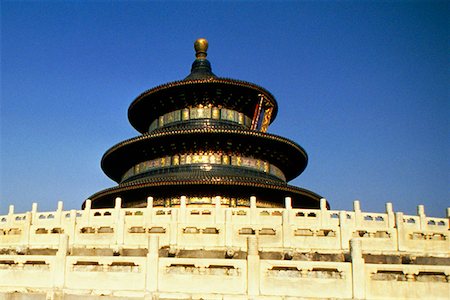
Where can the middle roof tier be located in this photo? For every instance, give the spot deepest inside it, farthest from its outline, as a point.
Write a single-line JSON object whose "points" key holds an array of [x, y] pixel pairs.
{"points": [[281, 155]]}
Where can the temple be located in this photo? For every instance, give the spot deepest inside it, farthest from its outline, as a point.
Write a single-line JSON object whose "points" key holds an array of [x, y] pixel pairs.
{"points": [[203, 210], [202, 137]]}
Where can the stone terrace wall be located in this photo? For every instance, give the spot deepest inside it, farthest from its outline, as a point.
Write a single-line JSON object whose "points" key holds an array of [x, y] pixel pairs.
{"points": [[218, 252]]}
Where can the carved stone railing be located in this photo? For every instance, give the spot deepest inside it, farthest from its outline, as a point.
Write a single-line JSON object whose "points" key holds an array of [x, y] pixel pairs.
{"points": [[217, 227]]}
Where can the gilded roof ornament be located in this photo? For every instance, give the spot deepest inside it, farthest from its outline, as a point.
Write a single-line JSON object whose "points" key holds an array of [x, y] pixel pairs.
{"points": [[201, 46], [201, 67]]}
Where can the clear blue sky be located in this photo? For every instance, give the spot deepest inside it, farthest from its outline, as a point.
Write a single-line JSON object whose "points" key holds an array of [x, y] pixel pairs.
{"points": [[362, 86]]}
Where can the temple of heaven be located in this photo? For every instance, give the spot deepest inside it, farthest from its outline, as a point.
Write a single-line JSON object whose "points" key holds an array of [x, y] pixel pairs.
{"points": [[202, 137]]}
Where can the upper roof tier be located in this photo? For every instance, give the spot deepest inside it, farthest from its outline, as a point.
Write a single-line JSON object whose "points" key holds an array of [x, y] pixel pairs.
{"points": [[200, 88]]}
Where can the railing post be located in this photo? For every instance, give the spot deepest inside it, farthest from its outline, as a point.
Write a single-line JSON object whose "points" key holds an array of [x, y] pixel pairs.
{"points": [[11, 210], [288, 202], [390, 215], [72, 227], [149, 202], [324, 217], [58, 213], [34, 208], [218, 216], [152, 267], [173, 227], [120, 222], [358, 272], [399, 224], [287, 222], [253, 211], [27, 230], [87, 211], [118, 203], [87, 204], [422, 216], [59, 263], [183, 210], [228, 228], [323, 204], [343, 229], [253, 266], [10, 215], [358, 214], [149, 212]]}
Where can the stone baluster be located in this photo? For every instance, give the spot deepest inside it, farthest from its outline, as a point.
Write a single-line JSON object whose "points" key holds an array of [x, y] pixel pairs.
{"points": [[400, 231], [218, 215], [288, 203], [30, 220], [173, 228], [422, 216], [149, 202], [59, 263], [253, 211], [59, 214], [72, 227], [34, 208], [118, 203], [27, 230], [343, 227], [148, 220], [390, 215], [151, 280], [183, 211], [358, 213], [11, 215], [228, 228], [253, 266], [120, 222], [87, 211], [358, 272], [287, 234], [324, 216]]}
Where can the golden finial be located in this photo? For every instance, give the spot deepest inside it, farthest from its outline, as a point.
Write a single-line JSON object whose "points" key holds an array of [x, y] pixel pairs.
{"points": [[201, 46]]}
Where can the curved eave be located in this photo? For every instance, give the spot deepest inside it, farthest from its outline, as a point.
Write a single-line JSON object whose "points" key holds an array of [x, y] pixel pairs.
{"points": [[165, 98], [140, 190], [283, 153]]}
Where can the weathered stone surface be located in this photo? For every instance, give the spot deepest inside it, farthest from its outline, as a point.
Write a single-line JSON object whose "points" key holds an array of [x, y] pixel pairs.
{"points": [[434, 261], [119, 254], [382, 259]]}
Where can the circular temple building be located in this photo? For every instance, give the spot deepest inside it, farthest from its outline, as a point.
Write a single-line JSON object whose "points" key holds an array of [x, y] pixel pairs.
{"points": [[203, 137]]}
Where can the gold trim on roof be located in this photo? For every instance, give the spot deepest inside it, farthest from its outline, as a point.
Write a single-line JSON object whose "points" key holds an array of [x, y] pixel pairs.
{"points": [[153, 135], [221, 80], [139, 184]]}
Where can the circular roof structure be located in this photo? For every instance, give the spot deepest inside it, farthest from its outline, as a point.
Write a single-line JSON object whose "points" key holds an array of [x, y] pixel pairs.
{"points": [[234, 94], [283, 153]]}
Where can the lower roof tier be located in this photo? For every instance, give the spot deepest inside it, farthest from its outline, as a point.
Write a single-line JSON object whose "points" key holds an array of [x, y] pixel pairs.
{"points": [[269, 193], [283, 153]]}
